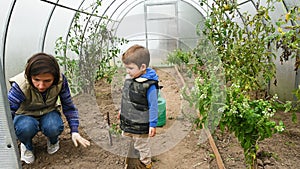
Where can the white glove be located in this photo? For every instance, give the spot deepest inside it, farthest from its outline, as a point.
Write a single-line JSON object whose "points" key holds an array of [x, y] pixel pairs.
{"points": [[76, 138]]}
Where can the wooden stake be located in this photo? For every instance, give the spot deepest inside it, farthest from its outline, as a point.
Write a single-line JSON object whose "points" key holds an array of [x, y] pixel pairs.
{"points": [[210, 139]]}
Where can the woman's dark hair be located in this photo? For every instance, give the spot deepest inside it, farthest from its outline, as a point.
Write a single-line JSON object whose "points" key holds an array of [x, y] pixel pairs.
{"points": [[41, 63]]}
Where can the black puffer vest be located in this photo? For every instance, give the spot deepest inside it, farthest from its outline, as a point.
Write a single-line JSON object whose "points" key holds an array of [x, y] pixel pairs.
{"points": [[134, 106]]}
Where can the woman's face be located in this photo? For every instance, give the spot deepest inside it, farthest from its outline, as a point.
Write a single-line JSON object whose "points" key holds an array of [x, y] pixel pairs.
{"points": [[42, 81]]}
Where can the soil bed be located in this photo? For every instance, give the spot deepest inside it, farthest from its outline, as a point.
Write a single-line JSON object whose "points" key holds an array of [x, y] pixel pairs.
{"points": [[176, 145]]}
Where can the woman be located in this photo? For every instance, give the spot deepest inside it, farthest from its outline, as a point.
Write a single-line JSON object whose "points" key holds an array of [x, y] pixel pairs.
{"points": [[33, 102]]}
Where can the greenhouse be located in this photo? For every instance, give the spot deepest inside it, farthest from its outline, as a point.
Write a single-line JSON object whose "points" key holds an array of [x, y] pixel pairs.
{"points": [[228, 80]]}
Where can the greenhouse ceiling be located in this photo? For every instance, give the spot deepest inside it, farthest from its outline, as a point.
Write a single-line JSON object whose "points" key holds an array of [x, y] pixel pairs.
{"points": [[162, 25]]}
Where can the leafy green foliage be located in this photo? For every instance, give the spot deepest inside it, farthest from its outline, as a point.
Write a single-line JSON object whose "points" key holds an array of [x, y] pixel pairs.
{"points": [[179, 57], [115, 129], [288, 37], [243, 50], [89, 51], [73, 72], [230, 78], [249, 120]]}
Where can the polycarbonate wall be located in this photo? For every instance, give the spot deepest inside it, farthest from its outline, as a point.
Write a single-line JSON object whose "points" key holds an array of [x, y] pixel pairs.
{"points": [[160, 26], [33, 26]]}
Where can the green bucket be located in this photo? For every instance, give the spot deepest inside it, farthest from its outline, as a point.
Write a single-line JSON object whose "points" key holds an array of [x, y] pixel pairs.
{"points": [[161, 111]]}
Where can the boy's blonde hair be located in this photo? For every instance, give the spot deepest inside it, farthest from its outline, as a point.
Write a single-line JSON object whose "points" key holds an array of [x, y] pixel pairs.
{"points": [[136, 54]]}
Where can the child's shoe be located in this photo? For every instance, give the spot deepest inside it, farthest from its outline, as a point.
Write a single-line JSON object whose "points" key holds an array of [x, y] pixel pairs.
{"points": [[149, 166]]}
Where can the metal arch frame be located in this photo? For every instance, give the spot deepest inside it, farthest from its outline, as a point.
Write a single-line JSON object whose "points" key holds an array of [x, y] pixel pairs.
{"points": [[297, 74], [121, 12], [175, 3], [137, 3], [128, 10], [98, 23], [4, 39], [11, 9], [91, 14], [144, 1], [4, 89], [114, 21], [86, 25], [195, 6], [76, 10], [285, 6], [88, 21], [69, 30], [105, 11], [56, 4], [10, 136], [46, 27], [66, 7], [115, 12], [297, 77], [226, 13], [51, 14], [286, 10], [159, 34], [84, 30], [110, 18]]}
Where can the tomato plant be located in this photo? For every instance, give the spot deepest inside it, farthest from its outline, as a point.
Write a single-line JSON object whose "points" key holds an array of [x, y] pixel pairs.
{"points": [[231, 78], [94, 47]]}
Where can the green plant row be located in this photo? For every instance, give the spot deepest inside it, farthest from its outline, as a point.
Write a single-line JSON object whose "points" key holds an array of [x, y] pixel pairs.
{"points": [[231, 85]]}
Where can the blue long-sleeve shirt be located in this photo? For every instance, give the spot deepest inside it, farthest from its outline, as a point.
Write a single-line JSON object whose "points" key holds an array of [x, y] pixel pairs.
{"points": [[153, 106], [16, 97], [152, 97]]}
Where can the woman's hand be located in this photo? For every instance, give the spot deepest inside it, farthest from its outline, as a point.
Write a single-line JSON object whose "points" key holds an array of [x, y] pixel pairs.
{"points": [[76, 138]]}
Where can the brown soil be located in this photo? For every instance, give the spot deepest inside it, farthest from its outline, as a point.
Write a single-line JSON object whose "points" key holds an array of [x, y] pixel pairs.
{"points": [[176, 145]]}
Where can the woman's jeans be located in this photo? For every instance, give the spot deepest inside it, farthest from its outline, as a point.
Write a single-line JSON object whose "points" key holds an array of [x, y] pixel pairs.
{"points": [[26, 127]]}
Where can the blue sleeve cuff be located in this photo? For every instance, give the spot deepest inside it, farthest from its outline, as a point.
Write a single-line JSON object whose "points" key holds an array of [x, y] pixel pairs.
{"points": [[153, 124], [74, 129]]}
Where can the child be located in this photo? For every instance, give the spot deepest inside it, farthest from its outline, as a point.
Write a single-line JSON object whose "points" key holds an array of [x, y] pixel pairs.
{"points": [[32, 100], [139, 109]]}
